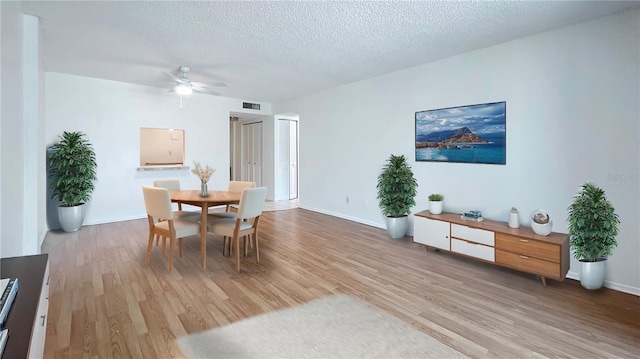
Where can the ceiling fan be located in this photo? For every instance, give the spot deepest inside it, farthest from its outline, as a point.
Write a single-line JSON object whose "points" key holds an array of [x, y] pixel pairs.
{"points": [[185, 87]]}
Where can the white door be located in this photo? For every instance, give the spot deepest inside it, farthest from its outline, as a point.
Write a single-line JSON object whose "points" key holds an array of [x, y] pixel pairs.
{"points": [[293, 160], [252, 153], [287, 176]]}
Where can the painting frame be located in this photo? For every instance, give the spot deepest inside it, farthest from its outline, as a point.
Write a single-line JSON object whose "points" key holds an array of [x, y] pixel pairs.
{"points": [[462, 134]]}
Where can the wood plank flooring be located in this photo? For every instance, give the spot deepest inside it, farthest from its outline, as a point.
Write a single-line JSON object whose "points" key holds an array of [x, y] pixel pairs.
{"points": [[105, 302]]}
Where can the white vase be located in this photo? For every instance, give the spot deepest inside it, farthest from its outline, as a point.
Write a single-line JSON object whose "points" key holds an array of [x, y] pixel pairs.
{"points": [[514, 220], [435, 207]]}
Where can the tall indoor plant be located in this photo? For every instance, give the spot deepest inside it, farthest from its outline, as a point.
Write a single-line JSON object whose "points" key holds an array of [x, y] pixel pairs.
{"points": [[397, 192], [593, 227], [72, 172]]}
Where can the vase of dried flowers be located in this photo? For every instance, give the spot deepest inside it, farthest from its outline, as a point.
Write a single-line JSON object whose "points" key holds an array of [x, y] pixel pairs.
{"points": [[204, 174]]}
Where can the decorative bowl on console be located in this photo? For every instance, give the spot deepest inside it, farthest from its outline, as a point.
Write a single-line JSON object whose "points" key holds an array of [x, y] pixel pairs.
{"points": [[541, 223]]}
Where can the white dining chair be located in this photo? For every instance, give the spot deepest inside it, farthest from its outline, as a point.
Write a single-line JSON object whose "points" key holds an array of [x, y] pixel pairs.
{"points": [[231, 209], [162, 221], [245, 223], [237, 186], [174, 185]]}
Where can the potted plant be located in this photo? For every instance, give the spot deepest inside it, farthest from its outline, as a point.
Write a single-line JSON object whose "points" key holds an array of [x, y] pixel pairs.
{"points": [[435, 203], [397, 192], [593, 227], [72, 171]]}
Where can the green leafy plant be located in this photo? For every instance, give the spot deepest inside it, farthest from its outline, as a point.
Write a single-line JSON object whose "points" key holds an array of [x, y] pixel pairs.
{"points": [[436, 197], [72, 169], [593, 224], [396, 187]]}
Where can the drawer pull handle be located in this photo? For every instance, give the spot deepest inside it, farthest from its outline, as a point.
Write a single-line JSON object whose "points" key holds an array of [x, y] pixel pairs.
{"points": [[48, 277], [524, 257], [524, 240], [43, 317]]}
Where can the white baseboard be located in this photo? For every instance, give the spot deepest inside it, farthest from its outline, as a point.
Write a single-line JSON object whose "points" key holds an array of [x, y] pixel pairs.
{"points": [[349, 218], [41, 238], [609, 284], [117, 219]]}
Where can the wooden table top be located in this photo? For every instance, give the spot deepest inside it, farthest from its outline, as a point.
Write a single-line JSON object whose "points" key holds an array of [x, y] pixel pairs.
{"points": [[215, 198]]}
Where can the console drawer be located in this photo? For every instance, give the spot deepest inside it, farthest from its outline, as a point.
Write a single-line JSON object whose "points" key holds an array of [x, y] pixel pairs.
{"points": [[473, 250], [528, 264], [472, 234], [528, 247]]}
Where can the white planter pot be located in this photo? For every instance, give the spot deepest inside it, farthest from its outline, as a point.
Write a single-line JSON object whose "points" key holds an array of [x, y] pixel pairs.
{"points": [[397, 226], [71, 218], [435, 207], [592, 273]]}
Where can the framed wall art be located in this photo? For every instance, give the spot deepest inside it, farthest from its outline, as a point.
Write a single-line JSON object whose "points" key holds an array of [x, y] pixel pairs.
{"points": [[464, 134]]}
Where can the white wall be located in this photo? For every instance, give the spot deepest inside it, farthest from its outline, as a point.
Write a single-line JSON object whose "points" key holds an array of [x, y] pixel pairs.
{"points": [[572, 116], [111, 114], [11, 139]]}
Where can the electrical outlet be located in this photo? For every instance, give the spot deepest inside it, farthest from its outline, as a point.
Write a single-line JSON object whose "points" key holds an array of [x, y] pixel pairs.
{"points": [[346, 199], [364, 203]]}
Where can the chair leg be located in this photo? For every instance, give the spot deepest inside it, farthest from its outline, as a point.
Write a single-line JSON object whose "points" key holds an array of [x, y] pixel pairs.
{"points": [[255, 238], [246, 246], [151, 235], [170, 253], [224, 246], [180, 246], [157, 238], [164, 241], [236, 247]]}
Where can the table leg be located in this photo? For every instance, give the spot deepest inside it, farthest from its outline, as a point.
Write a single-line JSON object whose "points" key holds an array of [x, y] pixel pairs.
{"points": [[203, 235]]}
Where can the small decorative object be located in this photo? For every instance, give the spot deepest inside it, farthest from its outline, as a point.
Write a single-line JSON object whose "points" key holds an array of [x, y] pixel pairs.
{"points": [[204, 175], [472, 216], [593, 227], [541, 223], [514, 219], [435, 203], [397, 193]]}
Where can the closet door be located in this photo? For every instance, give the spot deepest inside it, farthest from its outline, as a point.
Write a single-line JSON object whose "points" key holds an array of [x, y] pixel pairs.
{"points": [[252, 153], [287, 160]]}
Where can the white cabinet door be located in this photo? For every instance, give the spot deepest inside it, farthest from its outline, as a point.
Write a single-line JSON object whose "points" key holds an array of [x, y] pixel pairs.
{"points": [[431, 232]]}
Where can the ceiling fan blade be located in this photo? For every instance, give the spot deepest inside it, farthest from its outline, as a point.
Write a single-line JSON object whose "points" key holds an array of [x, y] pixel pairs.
{"points": [[174, 77], [214, 84], [206, 91]]}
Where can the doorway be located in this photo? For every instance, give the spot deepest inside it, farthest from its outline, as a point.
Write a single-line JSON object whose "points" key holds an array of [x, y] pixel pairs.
{"points": [[286, 187]]}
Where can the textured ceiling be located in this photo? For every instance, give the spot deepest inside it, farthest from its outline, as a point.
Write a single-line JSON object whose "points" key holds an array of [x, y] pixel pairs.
{"points": [[270, 51]]}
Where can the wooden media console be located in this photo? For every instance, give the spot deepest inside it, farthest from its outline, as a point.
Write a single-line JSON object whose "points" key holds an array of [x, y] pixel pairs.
{"points": [[495, 242]]}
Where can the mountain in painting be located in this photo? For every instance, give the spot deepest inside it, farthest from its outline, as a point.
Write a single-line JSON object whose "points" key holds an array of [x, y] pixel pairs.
{"points": [[460, 135]]}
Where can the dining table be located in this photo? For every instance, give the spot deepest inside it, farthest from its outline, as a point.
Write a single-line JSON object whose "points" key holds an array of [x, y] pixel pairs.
{"points": [[213, 199]]}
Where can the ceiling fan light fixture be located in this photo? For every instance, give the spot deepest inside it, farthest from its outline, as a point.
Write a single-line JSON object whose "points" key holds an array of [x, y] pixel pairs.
{"points": [[184, 89]]}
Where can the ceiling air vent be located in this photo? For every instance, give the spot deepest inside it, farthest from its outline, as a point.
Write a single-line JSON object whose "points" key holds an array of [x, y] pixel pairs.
{"points": [[251, 106]]}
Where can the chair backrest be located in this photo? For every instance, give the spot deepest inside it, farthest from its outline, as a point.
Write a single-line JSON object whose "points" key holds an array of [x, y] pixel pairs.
{"points": [[252, 202], [171, 185], [239, 186], [158, 202]]}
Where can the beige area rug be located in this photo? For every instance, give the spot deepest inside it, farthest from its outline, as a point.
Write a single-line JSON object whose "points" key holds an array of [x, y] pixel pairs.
{"points": [[338, 326]]}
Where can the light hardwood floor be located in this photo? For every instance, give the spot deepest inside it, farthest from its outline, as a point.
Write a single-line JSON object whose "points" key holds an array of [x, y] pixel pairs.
{"points": [[105, 302]]}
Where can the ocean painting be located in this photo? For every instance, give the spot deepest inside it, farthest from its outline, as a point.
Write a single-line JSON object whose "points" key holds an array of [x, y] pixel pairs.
{"points": [[466, 134]]}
